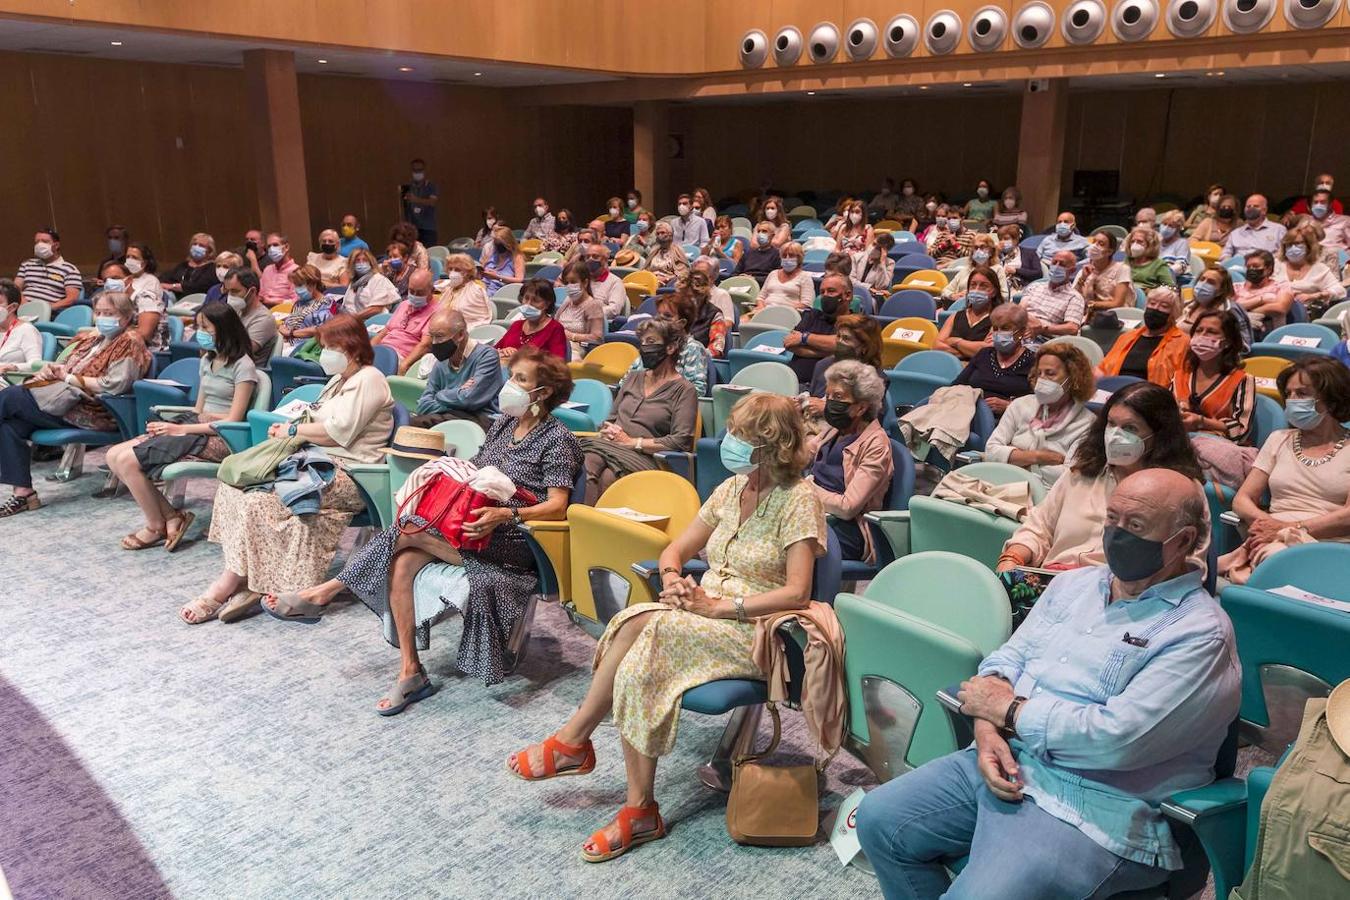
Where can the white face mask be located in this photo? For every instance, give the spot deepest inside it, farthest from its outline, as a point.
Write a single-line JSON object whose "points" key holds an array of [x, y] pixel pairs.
{"points": [[4, 314], [1123, 448], [770, 213], [134, 265], [1048, 391], [683, 209], [237, 302], [42, 250], [1136, 249], [613, 210], [1009, 203], [855, 217], [221, 272], [333, 362], [540, 210], [455, 278], [513, 400]]}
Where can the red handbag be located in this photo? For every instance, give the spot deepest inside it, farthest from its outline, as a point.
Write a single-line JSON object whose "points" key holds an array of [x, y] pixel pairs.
{"points": [[448, 505]]}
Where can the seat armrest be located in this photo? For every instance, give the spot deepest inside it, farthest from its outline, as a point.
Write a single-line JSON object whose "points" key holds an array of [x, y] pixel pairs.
{"points": [[963, 727], [235, 434], [677, 461], [894, 525], [1228, 517], [649, 569], [558, 526], [966, 457], [1217, 815], [947, 697]]}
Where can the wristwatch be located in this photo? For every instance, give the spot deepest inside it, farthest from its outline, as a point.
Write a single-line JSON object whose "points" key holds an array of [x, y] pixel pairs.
{"points": [[1010, 717], [515, 516], [739, 603], [292, 429], [637, 445]]}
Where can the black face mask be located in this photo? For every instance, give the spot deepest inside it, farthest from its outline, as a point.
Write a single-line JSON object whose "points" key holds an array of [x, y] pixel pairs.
{"points": [[251, 245], [328, 248], [837, 414], [1155, 319], [562, 225], [1131, 557], [845, 351], [443, 350], [1256, 276], [830, 305], [1226, 213], [652, 355]]}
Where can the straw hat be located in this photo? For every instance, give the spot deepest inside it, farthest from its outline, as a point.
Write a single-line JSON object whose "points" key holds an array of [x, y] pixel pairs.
{"points": [[417, 443], [1338, 716]]}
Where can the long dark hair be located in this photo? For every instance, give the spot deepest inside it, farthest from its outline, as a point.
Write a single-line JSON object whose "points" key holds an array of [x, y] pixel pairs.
{"points": [[1170, 447], [996, 295], [147, 256], [232, 341], [1232, 338]]}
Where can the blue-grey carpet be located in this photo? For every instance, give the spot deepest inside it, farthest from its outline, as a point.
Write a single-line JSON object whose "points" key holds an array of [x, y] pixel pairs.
{"points": [[140, 757]]}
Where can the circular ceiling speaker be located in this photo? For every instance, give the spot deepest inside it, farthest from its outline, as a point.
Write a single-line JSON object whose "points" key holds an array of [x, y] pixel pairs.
{"points": [[787, 46], [943, 32], [1247, 16], [860, 41], [1191, 18], [1083, 21], [988, 29], [1032, 25], [901, 36], [754, 49], [1134, 20], [823, 44], [1310, 13]]}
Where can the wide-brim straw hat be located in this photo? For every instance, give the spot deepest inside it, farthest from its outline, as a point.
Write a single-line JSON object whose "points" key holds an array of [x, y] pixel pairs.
{"points": [[417, 443], [1338, 716]]}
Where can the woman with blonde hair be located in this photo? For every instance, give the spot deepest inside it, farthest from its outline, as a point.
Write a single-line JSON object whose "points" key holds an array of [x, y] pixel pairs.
{"points": [[1147, 269], [1312, 281], [984, 251], [1174, 249], [790, 285], [197, 273], [763, 529], [464, 292], [1216, 226]]}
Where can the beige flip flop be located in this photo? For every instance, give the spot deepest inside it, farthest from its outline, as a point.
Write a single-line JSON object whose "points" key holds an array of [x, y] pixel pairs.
{"points": [[241, 605]]}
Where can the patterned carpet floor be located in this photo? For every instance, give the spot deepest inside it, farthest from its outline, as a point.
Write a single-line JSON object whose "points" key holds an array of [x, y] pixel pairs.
{"points": [[143, 758]]}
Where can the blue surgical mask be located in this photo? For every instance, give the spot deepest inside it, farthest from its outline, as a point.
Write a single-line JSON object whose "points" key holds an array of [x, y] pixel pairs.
{"points": [[980, 256], [395, 263], [1301, 412], [573, 290], [108, 325], [594, 265], [1058, 274], [1296, 253], [789, 264], [275, 253], [418, 302], [1063, 230], [1005, 342], [1168, 232], [737, 455], [530, 313], [954, 224], [1204, 292], [978, 300], [114, 285], [361, 268], [1320, 210], [302, 294], [197, 251], [205, 339]]}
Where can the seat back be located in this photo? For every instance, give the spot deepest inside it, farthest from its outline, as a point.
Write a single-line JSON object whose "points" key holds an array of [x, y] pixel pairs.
{"points": [[905, 336], [930, 280], [462, 437], [909, 302], [1090, 349], [643, 280], [742, 288], [49, 346], [917, 375], [1325, 337], [597, 397], [508, 292], [774, 377], [1266, 371], [38, 310], [1269, 418], [488, 332], [784, 317], [954, 527], [386, 359], [550, 272], [606, 363]]}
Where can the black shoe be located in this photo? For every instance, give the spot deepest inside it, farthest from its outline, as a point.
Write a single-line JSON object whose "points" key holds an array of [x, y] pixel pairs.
{"points": [[47, 454]]}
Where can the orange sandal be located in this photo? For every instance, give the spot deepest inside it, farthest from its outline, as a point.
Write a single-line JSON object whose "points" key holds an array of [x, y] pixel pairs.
{"points": [[552, 747], [627, 839]]}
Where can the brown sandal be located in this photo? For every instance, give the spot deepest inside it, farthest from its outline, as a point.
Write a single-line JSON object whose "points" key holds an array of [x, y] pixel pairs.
{"points": [[241, 605], [172, 540], [202, 609], [134, 541]]}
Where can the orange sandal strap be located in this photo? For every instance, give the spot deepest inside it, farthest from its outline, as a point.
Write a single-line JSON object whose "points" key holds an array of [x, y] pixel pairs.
{"points": [[553, 747], [625, 822]]}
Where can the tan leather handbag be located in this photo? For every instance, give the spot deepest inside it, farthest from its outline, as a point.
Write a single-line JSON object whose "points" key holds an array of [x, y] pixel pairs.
{"points": [[772, 806]]}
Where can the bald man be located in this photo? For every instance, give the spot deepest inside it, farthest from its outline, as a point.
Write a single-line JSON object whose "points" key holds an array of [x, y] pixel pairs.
{"points": [[1256, 233], [814, 337], [406, 332], [1116, 692], [466, 378]]}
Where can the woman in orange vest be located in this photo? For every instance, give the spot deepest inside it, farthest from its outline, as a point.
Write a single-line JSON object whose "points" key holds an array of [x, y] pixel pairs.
{"points": [[1218, 398], [1156, 350]]}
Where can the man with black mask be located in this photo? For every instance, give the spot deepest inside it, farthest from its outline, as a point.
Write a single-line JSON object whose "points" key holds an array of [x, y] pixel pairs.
{"points": [[466, 378], [814, 335], [1266, 300]]}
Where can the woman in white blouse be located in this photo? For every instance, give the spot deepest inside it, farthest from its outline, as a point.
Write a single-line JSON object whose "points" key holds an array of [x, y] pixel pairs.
{"points": [[1040, 431], [20, 341], [1312, 281], [368, 291], [789, 285], [1104, 282], [465, 293]]}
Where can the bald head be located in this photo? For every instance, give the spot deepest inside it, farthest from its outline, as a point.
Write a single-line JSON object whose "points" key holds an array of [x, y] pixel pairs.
{"points": [[1158, 504], [447, 323], [419, 282]]}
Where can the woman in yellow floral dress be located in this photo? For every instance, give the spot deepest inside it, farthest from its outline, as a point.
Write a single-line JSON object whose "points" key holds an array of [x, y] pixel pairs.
{"points": [[763, 529]]}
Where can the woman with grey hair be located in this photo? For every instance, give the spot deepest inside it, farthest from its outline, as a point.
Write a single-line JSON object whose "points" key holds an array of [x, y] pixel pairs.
{"points": [[655, 410], [853, 466]]}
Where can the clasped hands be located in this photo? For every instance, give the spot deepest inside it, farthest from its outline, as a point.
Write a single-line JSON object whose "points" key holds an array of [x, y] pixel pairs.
{"points": [[686, 594]]}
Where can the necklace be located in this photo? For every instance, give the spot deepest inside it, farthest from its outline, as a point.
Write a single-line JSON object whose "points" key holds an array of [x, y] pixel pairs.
{"points": [[1326, 458]]}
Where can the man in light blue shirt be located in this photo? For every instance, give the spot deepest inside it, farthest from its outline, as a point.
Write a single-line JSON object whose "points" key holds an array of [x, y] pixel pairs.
{"points": [[1064, 237], [689, 227], [1116, 692], [1257, 233]]}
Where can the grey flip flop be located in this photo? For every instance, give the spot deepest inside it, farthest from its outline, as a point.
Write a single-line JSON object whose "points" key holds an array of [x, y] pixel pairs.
{"points": [[407, 692], [291, 607], [241, 605]]}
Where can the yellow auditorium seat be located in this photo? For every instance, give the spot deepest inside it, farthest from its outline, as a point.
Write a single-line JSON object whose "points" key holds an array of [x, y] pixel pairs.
{"points": [[1206, 250], [639, 285], [1265, 369], [905, 336], [928, 280], [888, 225], [607, 362], [530, 246]]}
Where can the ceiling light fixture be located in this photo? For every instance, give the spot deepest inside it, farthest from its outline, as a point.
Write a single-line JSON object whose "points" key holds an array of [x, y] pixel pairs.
{"points": [[115, 43], [1159, 74], [923, 87], [323, 62], [810, 93], [405, 68], [965, 84], [477, 74]]}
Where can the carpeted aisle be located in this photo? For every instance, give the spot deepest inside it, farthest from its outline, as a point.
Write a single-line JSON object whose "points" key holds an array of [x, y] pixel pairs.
{"points": [[140, 757]]}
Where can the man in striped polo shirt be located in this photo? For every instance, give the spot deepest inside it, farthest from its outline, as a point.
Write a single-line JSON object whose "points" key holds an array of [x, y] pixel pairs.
{"points": [[47, 276]]}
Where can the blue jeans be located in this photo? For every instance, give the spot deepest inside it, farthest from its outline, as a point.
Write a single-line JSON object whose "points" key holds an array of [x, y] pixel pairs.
{"points": [[20, 416], [943, 810]]}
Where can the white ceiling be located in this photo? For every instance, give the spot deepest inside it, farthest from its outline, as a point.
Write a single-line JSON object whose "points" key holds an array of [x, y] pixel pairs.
{"points": [[97, 41]]}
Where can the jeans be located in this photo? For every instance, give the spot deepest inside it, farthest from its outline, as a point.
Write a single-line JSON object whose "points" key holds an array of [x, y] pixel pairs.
{"points": [[20, 416], [943, 810]]}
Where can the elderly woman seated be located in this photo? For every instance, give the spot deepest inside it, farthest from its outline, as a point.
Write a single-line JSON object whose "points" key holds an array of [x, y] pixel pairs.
{"points": [[655, 410], [1156, 350], [666, 260], [491, 586], [1305, 468], [1001, 369], [679, 309], [1174, 249], [267, 547], [852, 468], [1138, 428], [65, 394], [225, 389], [762, 529], [1042, 430], [20, 341], [1148, 269]]}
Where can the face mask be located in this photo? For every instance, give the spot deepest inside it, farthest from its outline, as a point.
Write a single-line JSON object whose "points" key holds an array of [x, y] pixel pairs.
{"points": [[1168, 232], [42, 250], [1123, 448], [1324, 186], [789, 264], [513, 399], [683, 209], [361, 269], [664, 239], [761, 239], [455, 279], [251, 245], [1063, 230], [205, 339], [1215, 198], [1301, 412], [221, 272], [197, 252], [930, 206], [907, 191], [573, 291], [1252, 213], [1006, 246], [1058, 274], [328, 249], [978, 300], [540, 210], [419, 176], [829, 305], [530, 313], [613, 210], [275, 253], [134, 265], [642, 225], [4, 314], [652, 355], [114, 285], [1005, 342], [1206, 347], [1205, 292], [498, 248], [632, 203], [1136, 249], [737, 455], [1228, 213], [770, 213], [844, 350], [1095, 251], [982, 192], [1048, 391], [1295, 253], [1256, 276], [108, 325], [443, 350], [1155, 319], [395, 263], [418, 301], [563, 225], [954, 224], [237, 302], [1320, 210], [980, 256], [1131, 557], [837, 414], [855, 217], [333, 362], [302, 293], [348, 231], [595, 266], [114, 246]]}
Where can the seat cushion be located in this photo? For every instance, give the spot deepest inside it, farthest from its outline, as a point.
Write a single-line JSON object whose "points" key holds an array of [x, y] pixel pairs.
{"points": [[718, 697], [59, 437]]}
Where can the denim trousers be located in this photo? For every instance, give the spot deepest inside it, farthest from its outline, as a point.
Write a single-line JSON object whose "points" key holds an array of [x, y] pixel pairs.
{"points": [[20, 416], [943, 810]]}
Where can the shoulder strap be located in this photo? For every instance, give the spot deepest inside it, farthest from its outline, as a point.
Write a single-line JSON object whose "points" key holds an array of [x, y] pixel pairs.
{"points": [[773, 744]]}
